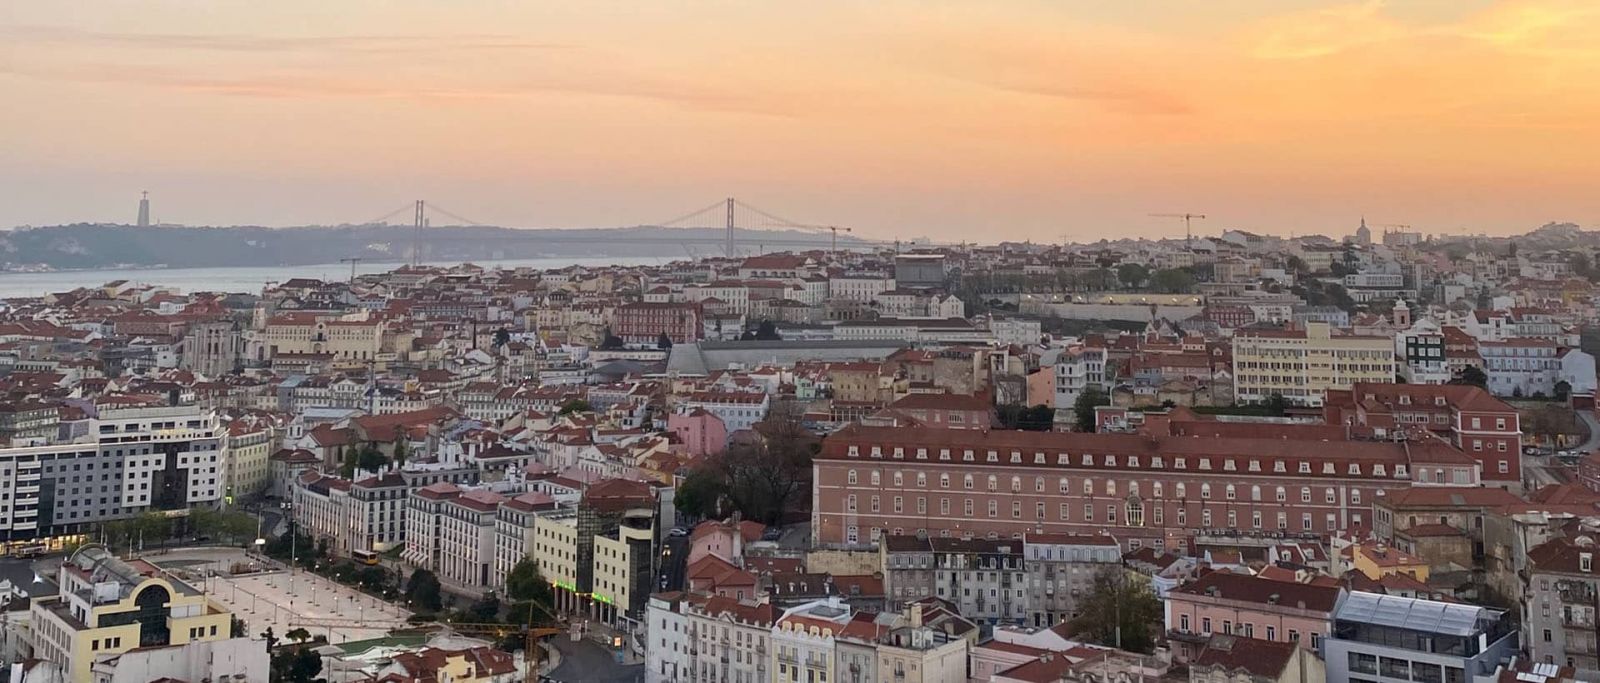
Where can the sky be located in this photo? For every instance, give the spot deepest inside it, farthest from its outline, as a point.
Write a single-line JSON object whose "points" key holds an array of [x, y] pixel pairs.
{"points": [[956, 121]]}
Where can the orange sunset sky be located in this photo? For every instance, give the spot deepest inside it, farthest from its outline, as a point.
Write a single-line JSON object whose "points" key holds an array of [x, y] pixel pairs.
{"points": [[951, 120]]}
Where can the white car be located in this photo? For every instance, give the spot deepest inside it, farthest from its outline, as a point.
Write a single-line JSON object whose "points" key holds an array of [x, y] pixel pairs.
{"points": [[678, 532]]}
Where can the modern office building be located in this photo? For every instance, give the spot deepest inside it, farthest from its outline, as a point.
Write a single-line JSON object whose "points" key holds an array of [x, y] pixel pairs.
{"points": [[1382, 638]]}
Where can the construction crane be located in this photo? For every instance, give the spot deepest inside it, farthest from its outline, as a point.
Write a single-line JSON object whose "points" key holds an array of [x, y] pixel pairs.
{"points": [[353, 260], [1188, 233]]}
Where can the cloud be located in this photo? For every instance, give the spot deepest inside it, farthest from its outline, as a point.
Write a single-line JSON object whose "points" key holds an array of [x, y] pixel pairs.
{"points": [[1325, 31], [251, 43], [300, 86]]}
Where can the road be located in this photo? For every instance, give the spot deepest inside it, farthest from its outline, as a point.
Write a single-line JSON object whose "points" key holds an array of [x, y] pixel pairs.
{"points": [[1543, 470], [674, 558], [587, 661]]}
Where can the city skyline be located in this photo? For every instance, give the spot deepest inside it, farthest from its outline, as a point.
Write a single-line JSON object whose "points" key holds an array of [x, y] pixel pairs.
{"points": [[1021, 121]]}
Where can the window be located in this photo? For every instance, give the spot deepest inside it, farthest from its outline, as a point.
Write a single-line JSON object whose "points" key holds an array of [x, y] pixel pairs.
{"points": [[850, 503], [1231, 495], [994, 483], [1305, 494], [1205, 492], [944, 481], [1111, 487], [1016, 509], [1065, 514], [994, 508], [968, 482], [1088, 512], [1088, 487], [1064, 490], [876, 479]]}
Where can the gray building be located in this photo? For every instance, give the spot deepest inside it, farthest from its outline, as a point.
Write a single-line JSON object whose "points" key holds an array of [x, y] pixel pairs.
{"points": [[985, 579], [916, 271], [1559, 612], [1390, 639]]}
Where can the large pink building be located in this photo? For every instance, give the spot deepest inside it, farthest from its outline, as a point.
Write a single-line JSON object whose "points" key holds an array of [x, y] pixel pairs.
{"points": [[701, 432], [1154, 490], [1250, 606]]}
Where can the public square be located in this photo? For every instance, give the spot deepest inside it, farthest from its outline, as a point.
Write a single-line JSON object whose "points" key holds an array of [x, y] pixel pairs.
{"points": [[284, 600]]}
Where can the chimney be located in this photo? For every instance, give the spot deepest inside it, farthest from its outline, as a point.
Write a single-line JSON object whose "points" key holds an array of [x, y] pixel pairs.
{"points": [[916, 615]]}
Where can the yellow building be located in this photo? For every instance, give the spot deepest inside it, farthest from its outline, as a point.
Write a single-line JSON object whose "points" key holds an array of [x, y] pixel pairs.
{"points": [[623, 568], [245, 465], [1377, 560], [555, 548], [346, 338], [107, 607], [1301, 365]]}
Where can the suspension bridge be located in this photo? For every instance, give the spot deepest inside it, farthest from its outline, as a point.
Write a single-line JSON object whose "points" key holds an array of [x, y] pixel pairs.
{"points": [[741, 223]]}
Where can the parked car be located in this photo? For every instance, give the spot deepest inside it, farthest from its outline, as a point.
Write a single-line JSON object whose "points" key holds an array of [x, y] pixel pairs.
{"points": [[678, 532]]}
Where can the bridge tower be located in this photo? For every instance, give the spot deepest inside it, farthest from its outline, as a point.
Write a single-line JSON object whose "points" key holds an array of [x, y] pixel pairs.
{"points": [[729, 247]]}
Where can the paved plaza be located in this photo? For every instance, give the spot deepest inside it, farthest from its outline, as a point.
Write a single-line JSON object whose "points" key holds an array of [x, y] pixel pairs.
{"points": [[282, 599]]}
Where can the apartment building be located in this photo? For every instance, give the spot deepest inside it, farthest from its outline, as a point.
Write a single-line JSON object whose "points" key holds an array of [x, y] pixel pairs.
{"points": [[515, 534], [1061, 571], [466, 542], [1226, 603], [317, 334], [555, 548], [1561, 608], [106, 606], [1475, 422], [1301, 365], [696, 637], [803, 641], [246, 448], [737, 409], [1144, 489], [132, 460], [368, 514], [644, 323], [1388, 637], [1076, 370]]}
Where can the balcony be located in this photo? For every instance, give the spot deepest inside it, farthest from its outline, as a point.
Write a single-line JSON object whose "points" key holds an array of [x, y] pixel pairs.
{"points": [[1187, 636], [29, 489]]}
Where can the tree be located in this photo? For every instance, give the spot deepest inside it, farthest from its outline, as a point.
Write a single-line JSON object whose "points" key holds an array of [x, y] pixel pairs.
{"points": [[767, 331], [1039, 418], [1276, 405], [1550, 421], [298, 635], [371, 459], [700, 495], [769, 476], [502, 337], [575, 405], [298, 665], [531, 599], [1295, 264], [422, 591], [1472, 375], [347, 462], [611, 342], [270, 638], [400, 448], [1083, 408], [486, 610], [1132, 274], [1563, 390], [663, 342], [1118, 612], [1172, 281]]}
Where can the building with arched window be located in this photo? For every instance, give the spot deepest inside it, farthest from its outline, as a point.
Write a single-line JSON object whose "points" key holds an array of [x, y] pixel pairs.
{"points": [[107, 607]]}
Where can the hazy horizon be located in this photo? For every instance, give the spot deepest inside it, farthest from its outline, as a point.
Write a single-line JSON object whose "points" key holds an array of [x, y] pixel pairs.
{"points": [[1021, 120]]}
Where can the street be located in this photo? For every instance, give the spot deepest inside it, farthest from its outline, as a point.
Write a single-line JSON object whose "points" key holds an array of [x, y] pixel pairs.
{"points": [[674, 561], [587, 661]]}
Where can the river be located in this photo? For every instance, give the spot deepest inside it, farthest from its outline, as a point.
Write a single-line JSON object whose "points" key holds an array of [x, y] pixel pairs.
{"points": [[250, 279]]}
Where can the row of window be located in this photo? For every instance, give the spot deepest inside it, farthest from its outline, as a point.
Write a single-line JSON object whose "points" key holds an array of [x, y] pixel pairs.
{"points": [[1132, 461], [1230, 491]]}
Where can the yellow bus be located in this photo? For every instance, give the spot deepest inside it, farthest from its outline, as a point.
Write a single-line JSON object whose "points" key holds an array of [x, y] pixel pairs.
{"points": [[366, 557]]}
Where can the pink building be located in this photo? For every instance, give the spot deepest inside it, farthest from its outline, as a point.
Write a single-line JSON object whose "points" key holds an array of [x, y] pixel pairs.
{"points": [[1145, 489], [1249, 606], [713, 575], [723, 539], [701, 432], [948, 411]]}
